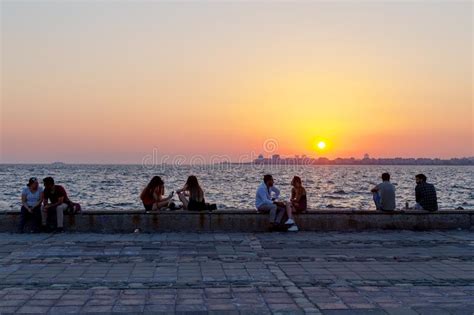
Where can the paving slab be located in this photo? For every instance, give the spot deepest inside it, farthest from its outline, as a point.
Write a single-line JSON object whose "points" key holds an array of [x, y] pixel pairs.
{"points": [[376, 272]]}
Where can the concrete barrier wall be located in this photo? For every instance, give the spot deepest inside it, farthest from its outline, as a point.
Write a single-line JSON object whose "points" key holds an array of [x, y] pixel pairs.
{"points": [[251, 221]]}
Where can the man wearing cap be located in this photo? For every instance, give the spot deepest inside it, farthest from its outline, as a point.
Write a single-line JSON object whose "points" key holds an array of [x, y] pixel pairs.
{"points": [[31, 199], [58, 201]]}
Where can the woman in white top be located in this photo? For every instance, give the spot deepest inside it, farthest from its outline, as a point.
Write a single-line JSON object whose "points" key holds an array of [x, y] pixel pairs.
{"points": [[31, 199]]}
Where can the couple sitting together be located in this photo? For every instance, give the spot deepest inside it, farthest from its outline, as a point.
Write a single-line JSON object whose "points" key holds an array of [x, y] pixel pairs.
{"points": [[191, 195], [267, 201]]}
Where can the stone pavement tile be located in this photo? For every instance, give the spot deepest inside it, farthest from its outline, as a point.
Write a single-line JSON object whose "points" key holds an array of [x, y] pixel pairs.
{"points": [[190, 308], [59, 310], [33, 309], [48, 295], [189, 301], [40, 302], [461, 311], [131, 302], [281, 307], [431, 310], [100, 302], [220, 301], [75, 296], [128, 309], [227, 312], [360, 305], [11, 303], [160, 308], [8, 309], [354, 312], [221, 307], [97, 309], [18, 293], [332, 306], [63, 302], [244, 289], [400, 311], [164, 299], [388, 305], [209, 292], [254, 311]]}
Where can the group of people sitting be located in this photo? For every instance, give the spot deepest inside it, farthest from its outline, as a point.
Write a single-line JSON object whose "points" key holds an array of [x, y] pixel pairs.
{"points": [[267, 199], [191, 195], [46, 207], [425, 194]]}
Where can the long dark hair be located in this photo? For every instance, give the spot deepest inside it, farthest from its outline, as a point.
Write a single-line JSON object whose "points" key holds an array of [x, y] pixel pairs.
{"points": [[297, 179], [300, 190], [156, 181], [195, 191]]}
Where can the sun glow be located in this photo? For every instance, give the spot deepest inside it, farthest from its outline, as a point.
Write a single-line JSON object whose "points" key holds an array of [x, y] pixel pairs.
{"points": [[321, 145]]}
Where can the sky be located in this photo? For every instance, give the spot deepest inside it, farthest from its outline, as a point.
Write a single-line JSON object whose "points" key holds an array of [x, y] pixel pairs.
{"points": [[121, 81]]}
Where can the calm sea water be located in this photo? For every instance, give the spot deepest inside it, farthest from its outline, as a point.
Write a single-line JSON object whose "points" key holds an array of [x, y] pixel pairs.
{"points": [[233, 186]]}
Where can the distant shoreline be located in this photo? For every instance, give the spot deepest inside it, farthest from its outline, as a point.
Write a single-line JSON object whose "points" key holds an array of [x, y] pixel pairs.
{"points": [[280, 163]]}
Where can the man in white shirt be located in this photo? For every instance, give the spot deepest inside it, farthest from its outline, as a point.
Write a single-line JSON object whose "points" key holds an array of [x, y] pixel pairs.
{"points": [[265, 201]]}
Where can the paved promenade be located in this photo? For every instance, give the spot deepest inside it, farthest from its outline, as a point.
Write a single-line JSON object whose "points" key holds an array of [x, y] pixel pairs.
{"points": [[398, 272]]}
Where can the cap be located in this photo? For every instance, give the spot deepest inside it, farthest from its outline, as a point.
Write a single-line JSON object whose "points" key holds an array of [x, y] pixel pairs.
{"points": [[31, 181]]}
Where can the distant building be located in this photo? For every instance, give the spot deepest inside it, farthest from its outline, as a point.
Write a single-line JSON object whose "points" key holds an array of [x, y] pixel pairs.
{"points": [[367, 160]]}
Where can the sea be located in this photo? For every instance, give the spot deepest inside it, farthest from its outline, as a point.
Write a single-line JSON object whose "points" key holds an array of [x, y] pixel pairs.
{"points": [[230, 186]]}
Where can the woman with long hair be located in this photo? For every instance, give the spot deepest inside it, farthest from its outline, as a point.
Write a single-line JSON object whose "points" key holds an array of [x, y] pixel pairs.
{"points": [[192, 195], [152, 195], [298, 200]]}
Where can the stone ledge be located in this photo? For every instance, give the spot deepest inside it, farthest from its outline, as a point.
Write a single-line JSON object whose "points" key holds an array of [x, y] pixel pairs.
{"points": [[241, 220]]}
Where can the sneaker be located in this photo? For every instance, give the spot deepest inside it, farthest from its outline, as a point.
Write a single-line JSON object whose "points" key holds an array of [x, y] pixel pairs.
{"points": [[289, 222], [293, 228]]}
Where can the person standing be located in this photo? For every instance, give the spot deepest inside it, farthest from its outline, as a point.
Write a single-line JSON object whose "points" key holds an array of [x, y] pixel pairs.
{"points": [[31, 199], [384, 194], [425, 194]]}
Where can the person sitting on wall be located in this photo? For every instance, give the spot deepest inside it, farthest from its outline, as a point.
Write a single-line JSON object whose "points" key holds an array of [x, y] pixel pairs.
{"points": [[384, 194], [152, 195], [425, 194], [192, 195], [266, 202], [31, 199], [55, 201]]}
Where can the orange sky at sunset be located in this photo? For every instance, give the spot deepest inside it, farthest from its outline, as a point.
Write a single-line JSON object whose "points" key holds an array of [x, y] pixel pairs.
{"points": [[110, 81]]}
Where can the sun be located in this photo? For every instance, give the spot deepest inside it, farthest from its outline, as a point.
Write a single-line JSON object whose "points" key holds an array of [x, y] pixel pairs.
{"points": [[321, 145]]}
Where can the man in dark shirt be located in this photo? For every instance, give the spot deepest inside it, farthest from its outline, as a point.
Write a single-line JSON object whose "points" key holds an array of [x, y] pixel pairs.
{"points": [[55, 199], [425, 194]]}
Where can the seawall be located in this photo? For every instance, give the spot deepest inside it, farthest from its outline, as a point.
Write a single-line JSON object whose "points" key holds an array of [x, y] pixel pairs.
{"points": [[109, 221]]}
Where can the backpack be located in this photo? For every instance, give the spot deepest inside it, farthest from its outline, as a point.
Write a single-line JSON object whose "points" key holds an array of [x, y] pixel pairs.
{"points": [[74, 208]]}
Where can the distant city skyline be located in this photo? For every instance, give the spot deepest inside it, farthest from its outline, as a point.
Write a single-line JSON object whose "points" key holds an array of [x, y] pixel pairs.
{"points": [[277, 159], [366, 160], [112, 81]]}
